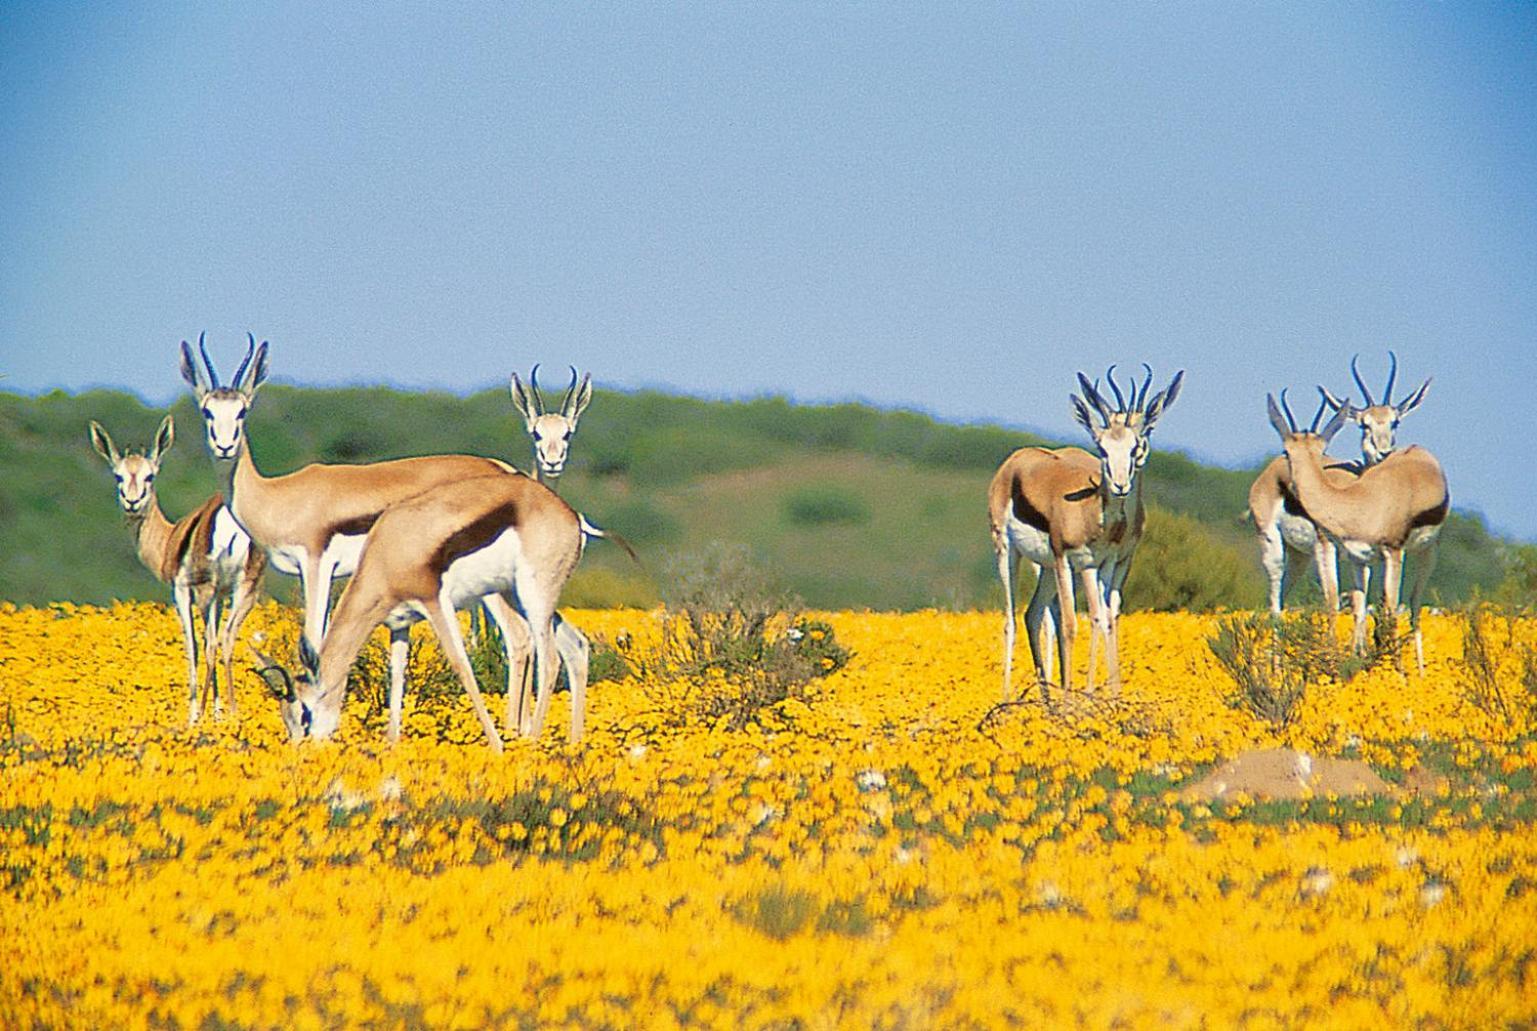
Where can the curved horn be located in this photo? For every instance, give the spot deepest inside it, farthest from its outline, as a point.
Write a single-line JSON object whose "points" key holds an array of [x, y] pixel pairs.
{"points": [[1367, 394], [1140, 401], [1120, 402], [565, 402], [1323, 403], [202, 346], [1092, 395], [249, 351], [533, 383], [1291, 420], [1387, 392]]}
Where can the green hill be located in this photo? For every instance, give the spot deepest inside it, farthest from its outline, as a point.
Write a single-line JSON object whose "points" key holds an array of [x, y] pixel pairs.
{"points": [[850, 506]]}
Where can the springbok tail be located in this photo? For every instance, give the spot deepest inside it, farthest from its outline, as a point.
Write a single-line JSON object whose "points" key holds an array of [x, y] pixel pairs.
{"points": [[590, 531]]}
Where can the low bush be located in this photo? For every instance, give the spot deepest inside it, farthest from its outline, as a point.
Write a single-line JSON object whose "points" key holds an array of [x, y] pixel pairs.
{"points": [[825, 505]]}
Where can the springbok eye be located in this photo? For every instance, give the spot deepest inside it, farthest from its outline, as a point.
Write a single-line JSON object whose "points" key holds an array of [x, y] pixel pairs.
{"points": [[118, 477], [566, 435], [208, 413], [150, 478], [241, 415], [538, 436]]}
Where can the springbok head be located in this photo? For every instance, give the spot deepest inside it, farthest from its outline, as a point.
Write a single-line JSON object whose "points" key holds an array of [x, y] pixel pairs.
{"points": [[551, 431], [135, 472], [305, 709], [1378, 420], [225, 408], [1312, 440], [1121, 433]]}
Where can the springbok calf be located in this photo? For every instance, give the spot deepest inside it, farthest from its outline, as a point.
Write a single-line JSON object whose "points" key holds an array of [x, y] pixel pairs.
{"points": [[1287, 537], [1393, 508], [425, 558], [206, 558], [1068, 511], [551, 432]]}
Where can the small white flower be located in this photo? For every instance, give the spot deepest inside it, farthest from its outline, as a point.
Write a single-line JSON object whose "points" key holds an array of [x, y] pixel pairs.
{"points": [[637, 751], [1050, 894], [1304, 765], [1353, 741], [1432, 893], [795, 633], [1405, 857], [871, 780], [389, 789]]}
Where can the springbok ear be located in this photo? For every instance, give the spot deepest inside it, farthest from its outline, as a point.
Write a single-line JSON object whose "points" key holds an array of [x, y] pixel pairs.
{"points": [[308, 657], [522, 401], [193, 373], [1414, 400], [1333, 425], [1081, 413], [1092, 396], [1161, 400], [101, 440], [165, 436], [580, 400], [1278, 420], [254, 373]]}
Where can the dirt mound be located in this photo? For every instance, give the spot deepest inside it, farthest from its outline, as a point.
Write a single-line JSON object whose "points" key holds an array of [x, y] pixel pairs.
{"points": [[1284, 773]]}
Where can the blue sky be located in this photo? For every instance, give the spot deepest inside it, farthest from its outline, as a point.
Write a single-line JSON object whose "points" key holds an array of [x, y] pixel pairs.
{"points": [[947, 207]]}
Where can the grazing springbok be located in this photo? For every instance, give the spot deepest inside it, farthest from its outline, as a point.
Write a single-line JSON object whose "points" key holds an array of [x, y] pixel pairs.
{"points": [[1393, 508], [206, 558], [1287, 537], [1067, 511], [425, 558], [551, 432]]}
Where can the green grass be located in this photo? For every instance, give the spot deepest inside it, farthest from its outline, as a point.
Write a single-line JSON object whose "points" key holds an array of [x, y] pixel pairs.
{"points": [[850, 506]]}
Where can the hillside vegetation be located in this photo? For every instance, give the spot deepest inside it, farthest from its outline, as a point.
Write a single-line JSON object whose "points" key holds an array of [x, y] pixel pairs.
{"points": [[850, 506]]}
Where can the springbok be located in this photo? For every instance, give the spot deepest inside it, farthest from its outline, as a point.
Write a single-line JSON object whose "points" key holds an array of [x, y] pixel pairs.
{"points": [[312, 522], [1287, 537], [551, 432], [1395, 507], [1378, 421], [428, 556], [1068, 511], [205, 557]]}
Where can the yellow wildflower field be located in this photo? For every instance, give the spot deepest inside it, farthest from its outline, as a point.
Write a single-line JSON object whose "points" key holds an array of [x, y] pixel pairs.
{"points": [[890, 851]]}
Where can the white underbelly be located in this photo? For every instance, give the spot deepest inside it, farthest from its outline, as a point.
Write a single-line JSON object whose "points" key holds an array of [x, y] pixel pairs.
{"points": [[1298, 532], [1359, 552], [490, 570], [287, 560], [1033, 544], [345, 550]]}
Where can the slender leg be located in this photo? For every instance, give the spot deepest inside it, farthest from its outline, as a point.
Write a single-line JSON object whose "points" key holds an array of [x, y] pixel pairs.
{"points": [[182, 594], [440, 615], [1358, 605], [1006, 569], [1099, 617], [400, 653], [515, 647], [1424, 565], [1297, 563], [209, 604], [1038, 627], [1066, 620], [240, 606], [575, 653], [1392, 573], [1113, 639], [1325, 558], [1272, 556], [317, 599]]}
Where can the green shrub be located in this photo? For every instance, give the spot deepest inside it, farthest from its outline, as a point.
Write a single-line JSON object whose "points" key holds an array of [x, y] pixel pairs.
{"points": [[1502, 672], [825, 505], [732, 642], [1182, 566], [1273, 660], [641, 522]]}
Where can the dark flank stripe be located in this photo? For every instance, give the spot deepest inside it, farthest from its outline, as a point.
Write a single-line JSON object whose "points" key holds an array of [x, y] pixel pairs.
{"points": [[356, 526], [476, 535], [1432, 516], [1026, 512]]}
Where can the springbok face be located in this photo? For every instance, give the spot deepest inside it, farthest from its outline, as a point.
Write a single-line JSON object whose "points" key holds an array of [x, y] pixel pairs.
{"points": [[305, 710], [1378, 420], [1311, 441], [224, 409], [551, 431], [1122, 433], [135, 473]]}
